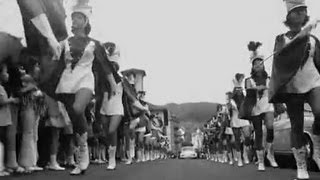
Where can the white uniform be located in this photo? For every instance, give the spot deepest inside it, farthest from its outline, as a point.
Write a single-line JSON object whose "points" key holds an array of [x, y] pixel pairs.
{"points": [[114, 105], [262, 105], [81, 76]]}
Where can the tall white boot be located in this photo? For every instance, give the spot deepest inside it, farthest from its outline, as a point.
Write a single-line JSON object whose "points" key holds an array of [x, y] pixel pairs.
{"points": [[220, 157], [225, 156], [211, 157], [112, 157], [129, 161], [147, 156], [215, 155], [316, 148], [157, 154], [245, 155], [260, 155], [139, 156], [240, 163], [132, 148], [83, 155], [235, 157], [230, 158], [300, 156], [270, 155], [143, 156]]}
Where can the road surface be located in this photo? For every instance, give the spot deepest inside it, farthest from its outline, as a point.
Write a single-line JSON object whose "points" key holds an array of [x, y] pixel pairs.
{"points": [[173, 169]]}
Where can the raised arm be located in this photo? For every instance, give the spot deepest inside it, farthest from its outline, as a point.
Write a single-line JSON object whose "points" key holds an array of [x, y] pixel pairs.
{"points": [[34, 11]]}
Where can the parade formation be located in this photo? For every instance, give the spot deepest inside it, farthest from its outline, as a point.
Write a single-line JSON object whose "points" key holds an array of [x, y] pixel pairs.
{"points": [[71, 83], [292, 83]]}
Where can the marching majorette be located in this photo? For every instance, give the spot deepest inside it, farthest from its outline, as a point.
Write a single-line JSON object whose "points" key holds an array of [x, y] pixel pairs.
{"points": [[239, 127], [86, 72], [141, 129], [112, 109], [211, 139], [258, 106], [295, 79], [225, 135]]}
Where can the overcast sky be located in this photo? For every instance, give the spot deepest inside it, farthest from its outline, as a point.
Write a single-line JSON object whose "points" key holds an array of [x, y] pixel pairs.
{"points": [[190, 49]]}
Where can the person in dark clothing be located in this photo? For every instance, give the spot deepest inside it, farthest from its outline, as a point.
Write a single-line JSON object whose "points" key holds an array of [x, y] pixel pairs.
{"points": [[295, 79]]}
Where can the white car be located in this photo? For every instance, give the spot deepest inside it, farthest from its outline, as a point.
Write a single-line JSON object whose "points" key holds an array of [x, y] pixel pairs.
{"points": [[188, 152]]}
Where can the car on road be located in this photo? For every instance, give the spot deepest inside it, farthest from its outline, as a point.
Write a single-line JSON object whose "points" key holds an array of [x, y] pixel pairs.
{"points": [[188, 152], [282, 130]]}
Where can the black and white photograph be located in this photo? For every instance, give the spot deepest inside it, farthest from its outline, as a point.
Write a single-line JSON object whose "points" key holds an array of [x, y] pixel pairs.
{"points": [[160, 89]]}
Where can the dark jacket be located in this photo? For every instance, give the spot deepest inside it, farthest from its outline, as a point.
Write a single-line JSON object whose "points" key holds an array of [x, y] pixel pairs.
{"points": [[287, 62]]}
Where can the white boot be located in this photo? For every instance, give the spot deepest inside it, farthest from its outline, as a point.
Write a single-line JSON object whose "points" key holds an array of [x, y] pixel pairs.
{"points": [[83, 155], [225, 156], [230, 158], [53, 165], [132, 148], [260, 155], [240, 163], [300, 156], [147, 156], [143, 156], [245, 155], [112, 157], [220, 158], [316, 148], [139, 158], [270, 155], [216, 157], [211, 157], [235, 157], [129, 161]]}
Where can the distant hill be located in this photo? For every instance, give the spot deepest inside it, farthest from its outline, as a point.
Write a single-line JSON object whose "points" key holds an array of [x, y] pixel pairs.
{"points": [[192, 115]]}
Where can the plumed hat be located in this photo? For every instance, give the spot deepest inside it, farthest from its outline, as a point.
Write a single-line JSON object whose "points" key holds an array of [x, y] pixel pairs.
{"points": [[83, 7], [293, 4], [253, 47]]}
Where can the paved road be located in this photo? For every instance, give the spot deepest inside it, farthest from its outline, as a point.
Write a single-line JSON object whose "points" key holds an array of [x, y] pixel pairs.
{"points": [[172, 170]]}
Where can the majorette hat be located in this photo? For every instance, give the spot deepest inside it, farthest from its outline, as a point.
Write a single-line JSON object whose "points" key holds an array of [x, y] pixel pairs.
{"points": [[83, 7], [253, 47], [293, 4]]}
